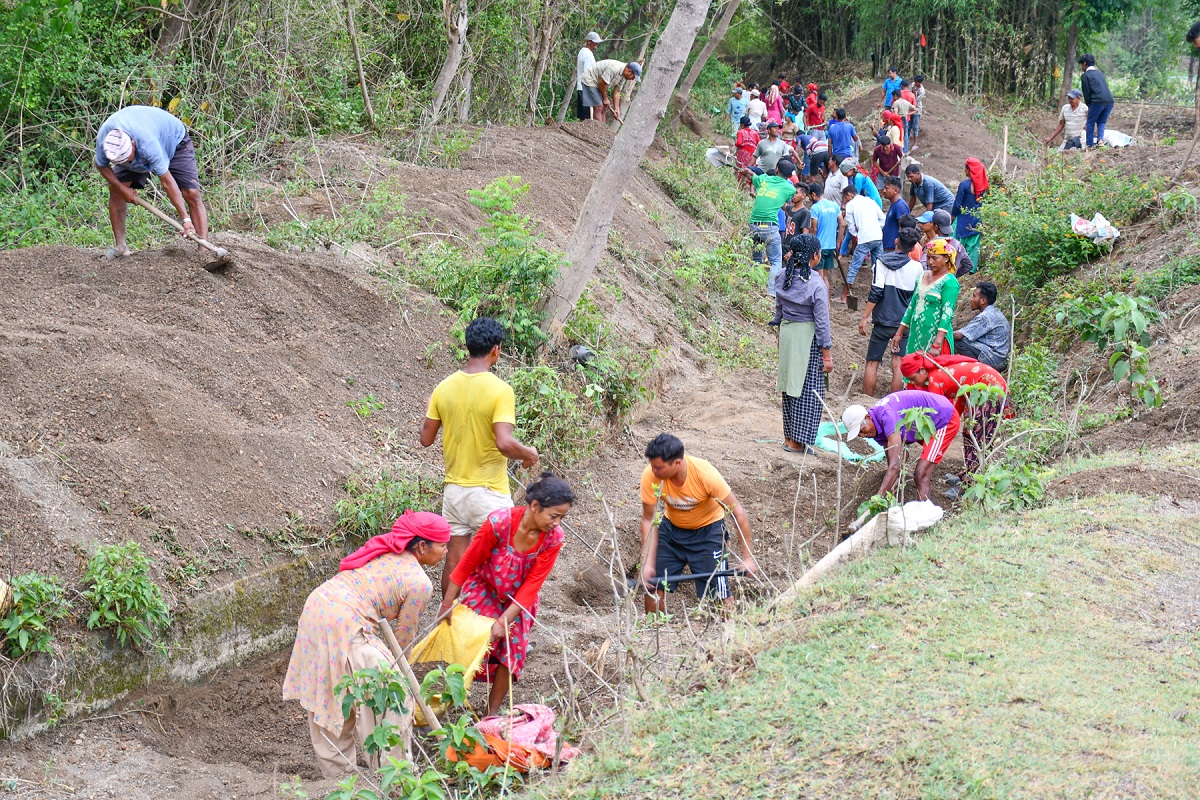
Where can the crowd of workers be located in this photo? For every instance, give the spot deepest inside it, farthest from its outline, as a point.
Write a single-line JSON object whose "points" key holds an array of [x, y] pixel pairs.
{"points": [[818, 201]]}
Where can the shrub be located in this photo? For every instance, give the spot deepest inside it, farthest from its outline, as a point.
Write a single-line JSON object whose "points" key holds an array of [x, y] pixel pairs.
{"points": [[617, 374], [1121, 322], [38, 602], [1027, 224], [1005, 487], [552, 416], [124, 597], [508, 281], [375, 500], [1034, 381]]}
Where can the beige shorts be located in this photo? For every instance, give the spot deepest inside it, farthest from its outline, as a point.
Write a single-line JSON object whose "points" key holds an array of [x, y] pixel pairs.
{"points": [[467, 507]]}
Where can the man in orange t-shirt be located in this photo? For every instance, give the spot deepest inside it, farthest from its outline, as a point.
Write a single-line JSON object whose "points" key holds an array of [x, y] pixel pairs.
{"points": [[692, 531]]}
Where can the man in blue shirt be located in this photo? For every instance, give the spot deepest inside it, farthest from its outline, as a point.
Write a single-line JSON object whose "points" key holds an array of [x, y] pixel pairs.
{"points": [[927, 190], [136, 142], [897, 209], [825, 215], [892, 84], [842, 136], [736, 109]]}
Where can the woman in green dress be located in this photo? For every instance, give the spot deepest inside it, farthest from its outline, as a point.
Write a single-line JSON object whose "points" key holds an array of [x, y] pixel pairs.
{"points": [[929, 320]]}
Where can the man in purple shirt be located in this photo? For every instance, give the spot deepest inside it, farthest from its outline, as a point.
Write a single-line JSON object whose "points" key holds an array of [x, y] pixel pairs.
{"points": [[882, 422]]}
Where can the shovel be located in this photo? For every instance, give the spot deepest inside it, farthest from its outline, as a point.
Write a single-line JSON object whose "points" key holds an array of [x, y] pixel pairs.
{"points": [[223, 258], [632, 583]]}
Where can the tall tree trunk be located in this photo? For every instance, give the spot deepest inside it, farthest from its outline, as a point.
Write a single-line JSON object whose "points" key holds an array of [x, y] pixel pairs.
{"points": [[1072, 47], [548, 32], [684, 92], [456, 33], [590, 236], [362, 75], [464, 105], [175, 28], [570, 95]]}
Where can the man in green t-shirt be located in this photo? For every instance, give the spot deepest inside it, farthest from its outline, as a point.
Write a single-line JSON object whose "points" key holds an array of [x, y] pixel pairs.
{"points": [[770, 193], [476, 412]]}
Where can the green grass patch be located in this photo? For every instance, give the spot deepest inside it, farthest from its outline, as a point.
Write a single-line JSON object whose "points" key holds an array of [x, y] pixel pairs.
{"points": [[1170, 277], [708, 193], [374, 499], [1024, 655]]}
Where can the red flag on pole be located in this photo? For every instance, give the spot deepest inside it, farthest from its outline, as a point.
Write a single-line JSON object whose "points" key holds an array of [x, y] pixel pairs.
{"points": [[922, 40]]}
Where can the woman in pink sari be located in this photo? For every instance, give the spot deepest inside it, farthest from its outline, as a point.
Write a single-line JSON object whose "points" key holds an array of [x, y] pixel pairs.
{"points": [[774, 101], [501, 575]]}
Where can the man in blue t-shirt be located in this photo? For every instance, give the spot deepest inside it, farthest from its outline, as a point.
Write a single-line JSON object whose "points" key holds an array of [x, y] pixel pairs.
{"points": [[890, 85], [139, 141], [736, 109], [927, 190], [824, 214], [842, 136], [897, 209]]}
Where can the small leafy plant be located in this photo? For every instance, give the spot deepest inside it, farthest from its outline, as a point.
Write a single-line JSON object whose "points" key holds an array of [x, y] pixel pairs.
{"points": [[1006, 487], [374, 500], [445, 686], [1122, 322], [876, 505], [366, 406], [920, 422], [123, 596], [38, 602], [380, 690]]}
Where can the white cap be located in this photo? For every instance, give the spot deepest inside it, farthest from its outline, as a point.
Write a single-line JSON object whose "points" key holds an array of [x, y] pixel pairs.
{"points": [[593, 37], [853, 418], [754, 93]]}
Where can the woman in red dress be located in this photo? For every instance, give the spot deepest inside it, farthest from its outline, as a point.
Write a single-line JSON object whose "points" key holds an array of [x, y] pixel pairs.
{"points": [[501, 575], [746, 141]]}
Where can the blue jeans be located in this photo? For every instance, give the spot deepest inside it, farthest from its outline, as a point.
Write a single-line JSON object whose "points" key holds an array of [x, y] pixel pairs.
{"points": [[910, 130], [768, 234], [861, 252], [1096, 119]]}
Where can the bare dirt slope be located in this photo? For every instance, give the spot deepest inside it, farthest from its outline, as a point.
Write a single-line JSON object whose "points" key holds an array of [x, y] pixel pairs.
{"points": [[951, 132]]}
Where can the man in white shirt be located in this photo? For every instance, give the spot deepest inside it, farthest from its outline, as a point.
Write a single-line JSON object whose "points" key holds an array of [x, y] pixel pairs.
{"points": [[585, 59], [864, 221], [1071, 121]]}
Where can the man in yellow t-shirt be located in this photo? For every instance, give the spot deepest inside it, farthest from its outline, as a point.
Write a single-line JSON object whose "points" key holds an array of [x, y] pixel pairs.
{"points": [[692, 532], [476, 412]]}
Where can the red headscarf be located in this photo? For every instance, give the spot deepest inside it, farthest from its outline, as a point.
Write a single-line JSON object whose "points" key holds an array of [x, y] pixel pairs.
{"points": [[913, 363], [979, 179], [410, 525]]}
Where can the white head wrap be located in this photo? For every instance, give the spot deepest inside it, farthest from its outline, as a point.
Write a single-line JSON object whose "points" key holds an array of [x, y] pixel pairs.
{"points": [[118, 147]]}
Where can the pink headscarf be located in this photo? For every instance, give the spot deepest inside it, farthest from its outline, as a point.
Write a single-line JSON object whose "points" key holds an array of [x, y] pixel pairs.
{"points": [[410, 525]]}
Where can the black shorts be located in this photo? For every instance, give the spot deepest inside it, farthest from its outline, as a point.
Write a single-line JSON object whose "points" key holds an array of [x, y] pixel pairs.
{"points": [[182, 169], [881, 336], [700, 550]]}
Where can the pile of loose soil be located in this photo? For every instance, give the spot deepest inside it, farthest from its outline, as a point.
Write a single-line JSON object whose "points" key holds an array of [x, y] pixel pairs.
{"points": [[148, 399]]}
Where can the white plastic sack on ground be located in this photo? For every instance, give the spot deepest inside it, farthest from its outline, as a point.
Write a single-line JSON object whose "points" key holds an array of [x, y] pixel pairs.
{"points": [[883, 530], [1098, 229], [914, 516], [1116, 138], [719, 156]]}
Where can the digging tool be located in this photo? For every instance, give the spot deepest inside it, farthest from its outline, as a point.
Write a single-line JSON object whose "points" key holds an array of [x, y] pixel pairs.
{"points": [[632, 583], [223, 258], [398, 653]]}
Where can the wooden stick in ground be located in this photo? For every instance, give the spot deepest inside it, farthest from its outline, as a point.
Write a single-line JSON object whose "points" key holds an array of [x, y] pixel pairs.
{"points": [[1188, 157], [1138, 123], [1004, 157], [398, 653]]}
